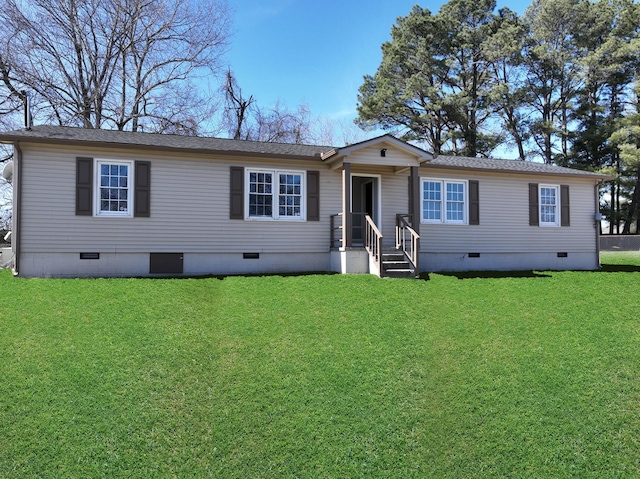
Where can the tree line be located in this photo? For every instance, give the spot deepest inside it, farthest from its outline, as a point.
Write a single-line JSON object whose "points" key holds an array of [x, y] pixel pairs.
{"points": [[558, 84]]}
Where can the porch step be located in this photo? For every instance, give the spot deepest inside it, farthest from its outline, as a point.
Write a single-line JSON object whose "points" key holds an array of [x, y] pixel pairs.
{"points": [[395, 265], [399, 273]]}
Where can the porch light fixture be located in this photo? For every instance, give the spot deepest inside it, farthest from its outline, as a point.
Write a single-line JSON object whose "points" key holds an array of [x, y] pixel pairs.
{"points": [[383, 152]]}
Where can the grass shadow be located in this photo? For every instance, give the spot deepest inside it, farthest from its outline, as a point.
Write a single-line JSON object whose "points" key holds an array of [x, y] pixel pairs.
{"points": [[224, 276], [496, 274], [283, 275], [619, 268], [606, 268]]}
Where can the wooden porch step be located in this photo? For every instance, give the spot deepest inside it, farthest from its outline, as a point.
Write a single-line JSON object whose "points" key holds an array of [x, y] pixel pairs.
{"points": [[395, 265], [399, 273], [393, 257]]}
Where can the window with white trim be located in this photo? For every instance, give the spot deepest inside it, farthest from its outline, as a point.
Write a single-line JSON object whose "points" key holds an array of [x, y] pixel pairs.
{"points": [[444, 201], [114, 188], [549, 204], [275, 194]]}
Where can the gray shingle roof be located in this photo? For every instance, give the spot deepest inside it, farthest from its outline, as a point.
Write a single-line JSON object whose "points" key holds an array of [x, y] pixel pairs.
{"points": [[223, 146], [507, 166], [59, 134]]}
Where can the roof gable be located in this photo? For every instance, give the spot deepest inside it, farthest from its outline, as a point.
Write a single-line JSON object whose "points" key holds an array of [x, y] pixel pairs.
{"points": [[383, 142]]}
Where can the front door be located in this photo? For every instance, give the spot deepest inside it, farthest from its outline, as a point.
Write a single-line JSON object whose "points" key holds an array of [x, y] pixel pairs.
{"points": [[365, 200]]}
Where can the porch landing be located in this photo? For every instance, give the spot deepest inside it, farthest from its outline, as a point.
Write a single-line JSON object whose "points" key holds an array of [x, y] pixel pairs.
{"points": [[356, 260]]}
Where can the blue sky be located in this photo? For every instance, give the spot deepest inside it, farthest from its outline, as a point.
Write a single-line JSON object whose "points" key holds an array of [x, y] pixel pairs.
{"points": [[314, 52]]}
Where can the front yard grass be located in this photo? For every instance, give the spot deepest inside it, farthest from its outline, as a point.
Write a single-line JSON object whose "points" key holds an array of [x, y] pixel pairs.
{"points": [[323, 376]]}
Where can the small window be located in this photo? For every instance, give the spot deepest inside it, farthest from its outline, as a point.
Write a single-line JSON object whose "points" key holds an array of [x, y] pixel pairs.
{"points": [[444, 201], [113, 188], [260, 194], [549, 199], [275, 195], [432, 201], [455, 202], [290, 195]]}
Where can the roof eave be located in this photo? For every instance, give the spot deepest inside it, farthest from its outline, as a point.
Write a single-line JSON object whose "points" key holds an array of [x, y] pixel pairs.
{"points": [[591, 175], [9, 139]]}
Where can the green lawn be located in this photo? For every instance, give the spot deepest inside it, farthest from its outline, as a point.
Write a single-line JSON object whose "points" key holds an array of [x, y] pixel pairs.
{"points": [[521, 375]]}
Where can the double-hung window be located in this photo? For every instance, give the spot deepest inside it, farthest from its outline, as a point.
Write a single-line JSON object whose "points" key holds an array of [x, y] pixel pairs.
{"points": [[275, 194], [444, 201], [114, 182], [113, 188], [549, 205]]}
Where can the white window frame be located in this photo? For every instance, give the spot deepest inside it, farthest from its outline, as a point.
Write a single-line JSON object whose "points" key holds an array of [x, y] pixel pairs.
{"points": [[98, 193], [275, 194], [443, 201], [556, 205]]}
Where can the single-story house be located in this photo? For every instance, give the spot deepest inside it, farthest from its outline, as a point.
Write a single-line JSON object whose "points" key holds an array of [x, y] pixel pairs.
{"points": [[113, 203]]}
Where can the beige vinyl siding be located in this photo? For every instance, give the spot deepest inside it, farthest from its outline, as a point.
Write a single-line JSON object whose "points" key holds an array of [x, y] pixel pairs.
{"points": [[371, 156], [504, 218], [189, 208], [394, 201]]}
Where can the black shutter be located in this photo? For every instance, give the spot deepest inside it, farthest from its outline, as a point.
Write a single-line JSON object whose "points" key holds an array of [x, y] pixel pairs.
{"points": [[533, 205], [564, 205], [236, 209], [142, 192], [84, 186], [313, 196], [474, 202]]}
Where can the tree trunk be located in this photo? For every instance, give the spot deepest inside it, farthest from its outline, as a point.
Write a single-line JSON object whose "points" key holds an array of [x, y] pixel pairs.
{"points": [[612, 216], [632, 214]]}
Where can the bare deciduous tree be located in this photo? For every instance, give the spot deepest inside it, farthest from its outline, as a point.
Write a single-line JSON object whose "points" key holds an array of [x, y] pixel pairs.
{"points": [[236, 108], [113, 63], [244, 119], [278, 124]]}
